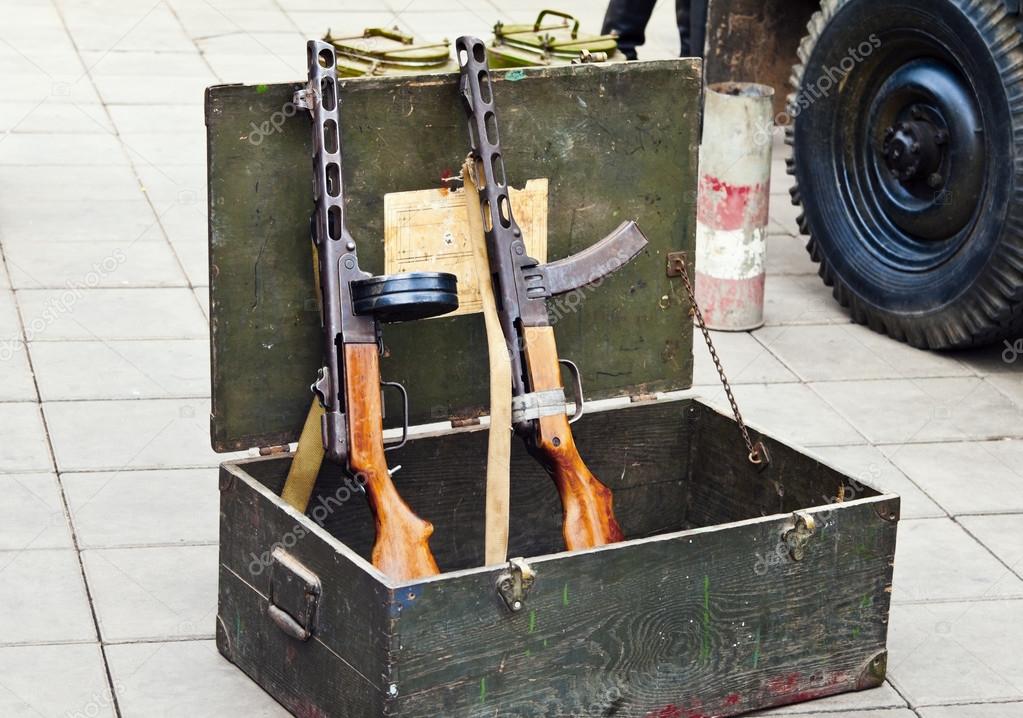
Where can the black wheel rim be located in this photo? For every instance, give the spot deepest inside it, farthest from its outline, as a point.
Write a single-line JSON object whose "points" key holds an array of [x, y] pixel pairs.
{"points": [[913, 152]]}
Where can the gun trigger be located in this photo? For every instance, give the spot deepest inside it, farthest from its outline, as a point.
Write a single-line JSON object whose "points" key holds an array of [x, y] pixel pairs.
{"points": [[321, 387]]}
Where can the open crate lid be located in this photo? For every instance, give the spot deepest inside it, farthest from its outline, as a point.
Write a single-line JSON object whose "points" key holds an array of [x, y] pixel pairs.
{"points": [[616, 141]]}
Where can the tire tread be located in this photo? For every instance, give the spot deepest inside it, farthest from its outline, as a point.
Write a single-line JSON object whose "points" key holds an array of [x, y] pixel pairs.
{"points": [[992, 309]]}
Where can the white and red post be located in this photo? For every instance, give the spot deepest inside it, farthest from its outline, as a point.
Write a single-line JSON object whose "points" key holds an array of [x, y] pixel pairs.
{"points": [[733, 201]]}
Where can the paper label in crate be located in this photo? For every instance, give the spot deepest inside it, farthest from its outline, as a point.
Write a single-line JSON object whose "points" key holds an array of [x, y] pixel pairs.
{"points": [[428, 231]]}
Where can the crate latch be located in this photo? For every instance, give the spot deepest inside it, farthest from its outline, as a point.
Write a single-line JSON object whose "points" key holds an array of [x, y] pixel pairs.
{"points": [[513, 584], [797, 537], [294, 595]]}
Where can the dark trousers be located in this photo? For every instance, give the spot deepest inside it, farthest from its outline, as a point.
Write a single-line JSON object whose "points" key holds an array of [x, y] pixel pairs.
{"points": [[629, 19]]}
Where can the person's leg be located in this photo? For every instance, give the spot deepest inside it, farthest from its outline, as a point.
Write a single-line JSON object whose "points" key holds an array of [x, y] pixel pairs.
{"points": [[691, 16], [698, 27], [629, 19]]}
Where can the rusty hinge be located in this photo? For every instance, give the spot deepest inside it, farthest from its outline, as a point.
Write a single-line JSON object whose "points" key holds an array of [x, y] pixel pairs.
{"points": [[274, 450]]}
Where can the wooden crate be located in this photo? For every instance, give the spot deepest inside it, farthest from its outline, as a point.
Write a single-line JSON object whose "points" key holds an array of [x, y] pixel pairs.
{"points": [[702, 612], [735, 590]]}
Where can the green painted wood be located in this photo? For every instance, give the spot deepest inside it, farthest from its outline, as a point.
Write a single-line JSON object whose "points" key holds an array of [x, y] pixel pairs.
{"points": [[681, 625], [714, 620], [616, 141]]}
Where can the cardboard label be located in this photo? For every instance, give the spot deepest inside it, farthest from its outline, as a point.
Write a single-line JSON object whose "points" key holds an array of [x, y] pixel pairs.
{"points": [[428, 231]]}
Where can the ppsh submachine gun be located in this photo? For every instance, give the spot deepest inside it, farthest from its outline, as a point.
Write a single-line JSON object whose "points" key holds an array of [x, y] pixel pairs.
{"points": [[354, 304], [523, 286]]}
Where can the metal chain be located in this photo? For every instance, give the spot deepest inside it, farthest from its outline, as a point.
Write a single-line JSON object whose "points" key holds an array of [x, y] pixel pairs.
{"points": [[757, 454]]}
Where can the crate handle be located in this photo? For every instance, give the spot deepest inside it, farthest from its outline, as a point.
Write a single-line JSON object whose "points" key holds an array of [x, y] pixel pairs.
{"points": [[293, 596], [557, 13]]}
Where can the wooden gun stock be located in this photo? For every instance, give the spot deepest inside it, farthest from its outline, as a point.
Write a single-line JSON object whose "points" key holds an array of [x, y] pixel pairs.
{"points": [[588, 504], [402, 548]]}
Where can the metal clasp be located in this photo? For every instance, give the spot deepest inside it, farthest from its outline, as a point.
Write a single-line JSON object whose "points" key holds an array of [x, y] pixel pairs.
{"points": [[797, 537], [537, 404], [513, 585]]}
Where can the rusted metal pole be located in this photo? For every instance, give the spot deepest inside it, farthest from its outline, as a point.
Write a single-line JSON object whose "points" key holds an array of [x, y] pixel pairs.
{"points": [[733, 201]]}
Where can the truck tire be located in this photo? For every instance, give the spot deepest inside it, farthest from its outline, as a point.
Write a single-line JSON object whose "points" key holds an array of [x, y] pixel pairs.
{"points": [[906, 139]]}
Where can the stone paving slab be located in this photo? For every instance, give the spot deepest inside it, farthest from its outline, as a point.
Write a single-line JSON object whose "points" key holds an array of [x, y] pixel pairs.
{"points": [[124, 220], [849, 351], [107, 314], [144, 508], [153, 369], [152, 594], [991, 710], [801, 299], [56, 265], [32, 513], [27, 187], [936, 560], [748, 361], [24, 447], [74, 682], [787, 254], [1011, 385], [896, 713], [951, 653], [184, 678], [154, 434], [1002, 535], [15, 373], [966, 477], [56, 610], [924, 410]]}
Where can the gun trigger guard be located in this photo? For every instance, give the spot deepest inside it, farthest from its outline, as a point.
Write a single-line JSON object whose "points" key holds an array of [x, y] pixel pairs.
{"points": [[404, 414], [577, 381]]}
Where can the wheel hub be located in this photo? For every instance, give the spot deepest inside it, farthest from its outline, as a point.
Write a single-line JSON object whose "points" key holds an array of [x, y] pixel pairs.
{"points": [[928, 161], [912, 150]]}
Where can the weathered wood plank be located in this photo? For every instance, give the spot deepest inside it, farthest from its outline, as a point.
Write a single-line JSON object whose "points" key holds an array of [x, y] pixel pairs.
{"points": [[684, 625], [592, 130]]}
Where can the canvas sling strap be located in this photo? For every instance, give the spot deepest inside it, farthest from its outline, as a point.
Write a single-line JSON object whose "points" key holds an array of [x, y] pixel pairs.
{"points": [[500, 436], [305, 466]]}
